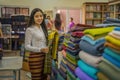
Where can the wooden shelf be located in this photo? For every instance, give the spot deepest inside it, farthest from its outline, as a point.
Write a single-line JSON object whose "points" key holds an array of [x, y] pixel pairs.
{"points": [[95, 12]]}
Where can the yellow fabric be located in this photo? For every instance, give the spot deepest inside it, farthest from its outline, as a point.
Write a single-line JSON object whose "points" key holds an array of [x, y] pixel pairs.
{"points": [[113, 40], [98, 31], [55, 36]]}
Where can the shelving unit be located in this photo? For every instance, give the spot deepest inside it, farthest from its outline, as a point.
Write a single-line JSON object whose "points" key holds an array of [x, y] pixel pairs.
{"points": [[95, 13], [7, 11], [19, 25], [115, 7]]}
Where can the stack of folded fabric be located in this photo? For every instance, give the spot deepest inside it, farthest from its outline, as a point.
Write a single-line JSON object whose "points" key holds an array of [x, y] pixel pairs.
{"points": [[92, 47], [110, 65]]}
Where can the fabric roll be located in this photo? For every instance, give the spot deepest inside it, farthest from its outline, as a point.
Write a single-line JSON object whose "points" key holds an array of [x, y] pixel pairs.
{"points": [[117, 28], [114, 35], [113, 40], [71, 74], [93, 42], [109, 63], [101, 76], [89, 70], [107, 25], [64, 75], [108, 44], [89, 59], [77, 34], [80, 74], [59, 77], [109, 71], [116, 32], [109, 52], [113, 61], [98, 31], [115, 20], [95, 50]]}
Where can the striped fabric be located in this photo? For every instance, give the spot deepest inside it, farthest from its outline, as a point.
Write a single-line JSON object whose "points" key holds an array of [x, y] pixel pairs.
{"points": [[36, 63]]}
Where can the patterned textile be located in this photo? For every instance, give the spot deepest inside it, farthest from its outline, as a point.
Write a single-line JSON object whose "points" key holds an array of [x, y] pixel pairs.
{"points": [[36, 63]]}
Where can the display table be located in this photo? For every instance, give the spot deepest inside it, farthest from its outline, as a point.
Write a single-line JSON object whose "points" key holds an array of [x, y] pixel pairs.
{"points": [[13, 64]]}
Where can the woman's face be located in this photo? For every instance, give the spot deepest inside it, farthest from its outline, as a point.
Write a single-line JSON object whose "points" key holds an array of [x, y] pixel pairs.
{"points": [[38, 18]]}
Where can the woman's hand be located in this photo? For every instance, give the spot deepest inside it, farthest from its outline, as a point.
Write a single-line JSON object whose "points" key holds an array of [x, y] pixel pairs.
{"points": [[45, 50]]}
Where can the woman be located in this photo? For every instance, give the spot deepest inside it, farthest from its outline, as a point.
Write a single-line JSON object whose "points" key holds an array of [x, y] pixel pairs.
{"points": [[58, 22], [36, 42]]}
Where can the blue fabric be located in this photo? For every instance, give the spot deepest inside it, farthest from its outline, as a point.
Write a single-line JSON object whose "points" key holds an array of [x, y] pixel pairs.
{"points": [[91, 71], [117, 28], [64, 75], [115, 20], [107, 25], [113, 61], [95, 50], [93, 42], [109, 52], [82, 75]]}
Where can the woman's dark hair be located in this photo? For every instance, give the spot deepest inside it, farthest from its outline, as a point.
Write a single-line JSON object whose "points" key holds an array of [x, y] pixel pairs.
{"points": [[31, 21], [58, 22]]}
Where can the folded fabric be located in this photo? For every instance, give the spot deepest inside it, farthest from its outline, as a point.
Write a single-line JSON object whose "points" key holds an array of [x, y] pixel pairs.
{"points": [[95, 37], [110, 72], [82, 75], [113, 40], [114, 35], [59, 77], [107, 25], [109, 63], [73, 52], [111, 53], [91, 41], [64, 75], [117, 28], [75, 39], [114, 50], [89, 59], [89, 70], [116, 32], [71, 61], [72, 57], [77, 34], [108, 44], [63, 68], [95, 50], [113, 61], [98, 31], [115, 20], [101, 76], [71, 74]]}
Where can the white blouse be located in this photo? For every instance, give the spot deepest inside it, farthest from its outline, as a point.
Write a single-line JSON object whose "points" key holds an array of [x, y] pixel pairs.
{"points": [[34, 39]]}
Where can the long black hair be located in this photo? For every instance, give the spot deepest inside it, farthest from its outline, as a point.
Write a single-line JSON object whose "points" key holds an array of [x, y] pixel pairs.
{"points": [[58, 22], [43, 25]]}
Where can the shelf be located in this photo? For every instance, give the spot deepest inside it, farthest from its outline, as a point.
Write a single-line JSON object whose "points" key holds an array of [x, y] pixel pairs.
{"points": [[95, 12]]}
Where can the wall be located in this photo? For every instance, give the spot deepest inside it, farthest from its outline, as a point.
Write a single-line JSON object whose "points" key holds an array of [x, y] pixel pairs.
{"points": [[47, 4]]}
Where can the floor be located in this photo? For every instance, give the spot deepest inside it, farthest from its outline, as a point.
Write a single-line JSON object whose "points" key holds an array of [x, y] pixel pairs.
{"points": [[23, 73]]}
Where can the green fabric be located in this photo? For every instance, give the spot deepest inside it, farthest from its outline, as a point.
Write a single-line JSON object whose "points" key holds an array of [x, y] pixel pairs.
{"points": [[98, 31], [109, 71]]}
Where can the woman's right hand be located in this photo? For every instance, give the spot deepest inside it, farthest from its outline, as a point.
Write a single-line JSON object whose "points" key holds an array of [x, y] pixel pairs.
{"points": [[45, 50]]}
